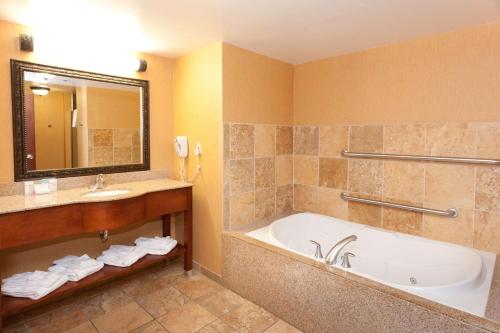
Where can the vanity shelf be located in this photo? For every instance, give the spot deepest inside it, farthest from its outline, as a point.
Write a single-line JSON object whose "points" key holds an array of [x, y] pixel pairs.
{"points": [[14, 305], [147, 201]]}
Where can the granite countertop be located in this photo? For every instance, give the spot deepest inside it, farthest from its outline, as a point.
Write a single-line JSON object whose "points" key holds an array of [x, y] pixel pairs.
{"points": [[18, 203]]}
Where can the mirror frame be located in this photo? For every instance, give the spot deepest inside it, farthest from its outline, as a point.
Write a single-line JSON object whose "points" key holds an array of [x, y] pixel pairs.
{"points": [[21, 172]]}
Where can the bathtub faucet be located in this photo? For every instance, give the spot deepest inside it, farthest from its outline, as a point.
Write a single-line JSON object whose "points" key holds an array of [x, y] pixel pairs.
{"points": [[333, 256]]}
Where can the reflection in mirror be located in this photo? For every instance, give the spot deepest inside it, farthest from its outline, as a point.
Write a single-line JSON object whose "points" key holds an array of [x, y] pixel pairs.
{"points": [[79, 123]]}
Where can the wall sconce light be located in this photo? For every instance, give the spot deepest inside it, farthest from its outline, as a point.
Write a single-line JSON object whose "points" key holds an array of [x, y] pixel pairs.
{"points": [[142, 65], [26, 42], [40, 89]]}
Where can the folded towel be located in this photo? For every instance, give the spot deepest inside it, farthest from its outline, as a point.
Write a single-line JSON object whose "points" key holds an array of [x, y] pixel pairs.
{"points": [[76, 268], [157, 245], [34, 285], [122, 255]]}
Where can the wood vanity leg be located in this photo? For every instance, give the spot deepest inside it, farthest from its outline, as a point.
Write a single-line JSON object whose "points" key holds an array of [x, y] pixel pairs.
{"points": [[188, 234], [166, 225], [1, 307]]}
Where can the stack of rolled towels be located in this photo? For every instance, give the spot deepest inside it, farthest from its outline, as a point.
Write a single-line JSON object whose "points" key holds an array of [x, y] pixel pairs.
{"points": [[156, 246], [76, 268], [33, 285]]}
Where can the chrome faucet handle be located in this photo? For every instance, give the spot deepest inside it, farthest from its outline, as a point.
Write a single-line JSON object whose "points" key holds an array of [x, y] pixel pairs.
{"points": [[318, 254], [345, 259]]}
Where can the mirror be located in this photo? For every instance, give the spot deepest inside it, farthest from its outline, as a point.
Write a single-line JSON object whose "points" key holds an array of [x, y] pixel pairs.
{"points": [[71, 123]]}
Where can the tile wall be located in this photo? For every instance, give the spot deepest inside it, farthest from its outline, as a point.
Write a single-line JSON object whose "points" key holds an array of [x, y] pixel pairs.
{"points": [[258, 173], [321, 174], [114, 146]]}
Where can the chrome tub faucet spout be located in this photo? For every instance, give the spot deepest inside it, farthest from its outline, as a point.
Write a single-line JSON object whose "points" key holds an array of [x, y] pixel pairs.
{"points": [[333, 255]]}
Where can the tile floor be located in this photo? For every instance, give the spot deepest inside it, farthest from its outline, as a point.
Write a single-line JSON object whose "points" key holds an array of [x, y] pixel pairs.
{"points": [[161, 299]]}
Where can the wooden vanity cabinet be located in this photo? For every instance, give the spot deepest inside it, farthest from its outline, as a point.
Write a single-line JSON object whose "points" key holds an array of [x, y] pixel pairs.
{"points": [[32, 227]]}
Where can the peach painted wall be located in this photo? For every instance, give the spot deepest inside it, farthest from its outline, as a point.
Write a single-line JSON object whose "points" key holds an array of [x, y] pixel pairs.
{"points": [[198, 115], [448, 77], [257, 89], [159, 75]]}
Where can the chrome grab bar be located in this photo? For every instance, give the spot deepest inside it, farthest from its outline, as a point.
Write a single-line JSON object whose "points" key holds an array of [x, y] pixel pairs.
{"points": [[424, 158], [448, 213]]}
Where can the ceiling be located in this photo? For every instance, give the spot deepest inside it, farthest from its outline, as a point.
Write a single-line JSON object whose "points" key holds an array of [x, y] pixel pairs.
{"points": [[294, 31]]}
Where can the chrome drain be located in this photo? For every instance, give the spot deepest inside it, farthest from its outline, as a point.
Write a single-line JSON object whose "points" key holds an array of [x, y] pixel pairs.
{"points": [[413, 280]]}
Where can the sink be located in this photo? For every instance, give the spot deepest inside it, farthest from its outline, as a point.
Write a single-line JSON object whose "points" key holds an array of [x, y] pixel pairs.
{"points": [[105, 193]]}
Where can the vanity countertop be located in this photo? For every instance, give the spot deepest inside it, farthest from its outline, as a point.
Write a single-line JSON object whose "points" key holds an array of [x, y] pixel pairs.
{"points": [[18, 203]]}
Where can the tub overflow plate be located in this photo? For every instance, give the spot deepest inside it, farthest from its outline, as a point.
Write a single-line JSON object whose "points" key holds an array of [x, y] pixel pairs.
{"points": [[413, 280]]}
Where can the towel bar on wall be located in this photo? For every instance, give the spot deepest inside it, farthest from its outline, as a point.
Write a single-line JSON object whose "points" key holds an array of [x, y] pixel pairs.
{"points": [[444, 159], [448, 213]]}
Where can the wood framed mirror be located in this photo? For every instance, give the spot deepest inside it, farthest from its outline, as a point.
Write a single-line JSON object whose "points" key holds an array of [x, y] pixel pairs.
{"points": [[72, 123]]}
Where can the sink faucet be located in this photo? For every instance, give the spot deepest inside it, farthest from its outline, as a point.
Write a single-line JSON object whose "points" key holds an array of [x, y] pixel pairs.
{"points": [[99, 183], [332, 256]]}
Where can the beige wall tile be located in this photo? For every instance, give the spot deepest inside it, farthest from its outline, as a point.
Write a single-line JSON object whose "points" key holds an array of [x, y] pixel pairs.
{"points": [[449, 185], [368, 139], [487, 231], [402, 220], [241, 173], [284, 140], [122, 137], [103, 156], [284, 170], [264, 172], [265, 140], [284, 199], [306, 140], [241, 209], [366, 176], [227, 178], [330, 203], [458, 230], [136, 137], [332, 140], [488, 188], [305, 170], [451, 139], [136, 154], [265, 202], [305, 198], [404, 139], [122, 155], [333, 173], [404, 181], [241, 141], [102, 137], [488, 140], [365, 214]]}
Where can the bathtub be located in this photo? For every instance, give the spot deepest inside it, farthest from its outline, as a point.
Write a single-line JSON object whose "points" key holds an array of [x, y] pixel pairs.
{"points": [[449, 274]]}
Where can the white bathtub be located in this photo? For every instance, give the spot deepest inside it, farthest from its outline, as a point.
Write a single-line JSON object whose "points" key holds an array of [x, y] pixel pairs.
{"points": [[453, 275]]}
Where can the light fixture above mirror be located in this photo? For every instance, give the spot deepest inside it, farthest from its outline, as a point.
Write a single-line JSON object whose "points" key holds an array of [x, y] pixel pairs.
{"points": [[40, 89]]}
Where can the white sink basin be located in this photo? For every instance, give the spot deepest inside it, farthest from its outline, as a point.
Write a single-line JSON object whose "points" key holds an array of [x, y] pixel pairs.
{"points": [[105, 193]]}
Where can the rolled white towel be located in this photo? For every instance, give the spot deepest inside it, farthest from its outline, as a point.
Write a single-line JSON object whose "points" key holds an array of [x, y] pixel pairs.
{"points": [[75, 262]]}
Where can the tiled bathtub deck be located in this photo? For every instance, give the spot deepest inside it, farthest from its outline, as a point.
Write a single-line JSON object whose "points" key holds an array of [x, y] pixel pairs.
{"points": [[161, 299]]}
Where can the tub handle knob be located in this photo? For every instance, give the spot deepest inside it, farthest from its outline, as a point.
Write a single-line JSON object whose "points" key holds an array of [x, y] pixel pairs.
{"points": [[345, 259], [318, 254]]}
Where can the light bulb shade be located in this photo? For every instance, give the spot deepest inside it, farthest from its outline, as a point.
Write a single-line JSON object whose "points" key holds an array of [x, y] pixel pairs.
{"points": [[40, 90], [142, 65]]}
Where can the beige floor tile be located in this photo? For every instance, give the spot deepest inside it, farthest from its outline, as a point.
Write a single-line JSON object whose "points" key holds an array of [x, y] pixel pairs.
{"points": [[196, 286], [160, 302], [122, 319], [143, 283], [102, 301], [151, 327], [86, 327], [17, 327], [59, 320], [282, 327], [220, 302], [249, 317], [217, 326], [188, 318]]}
